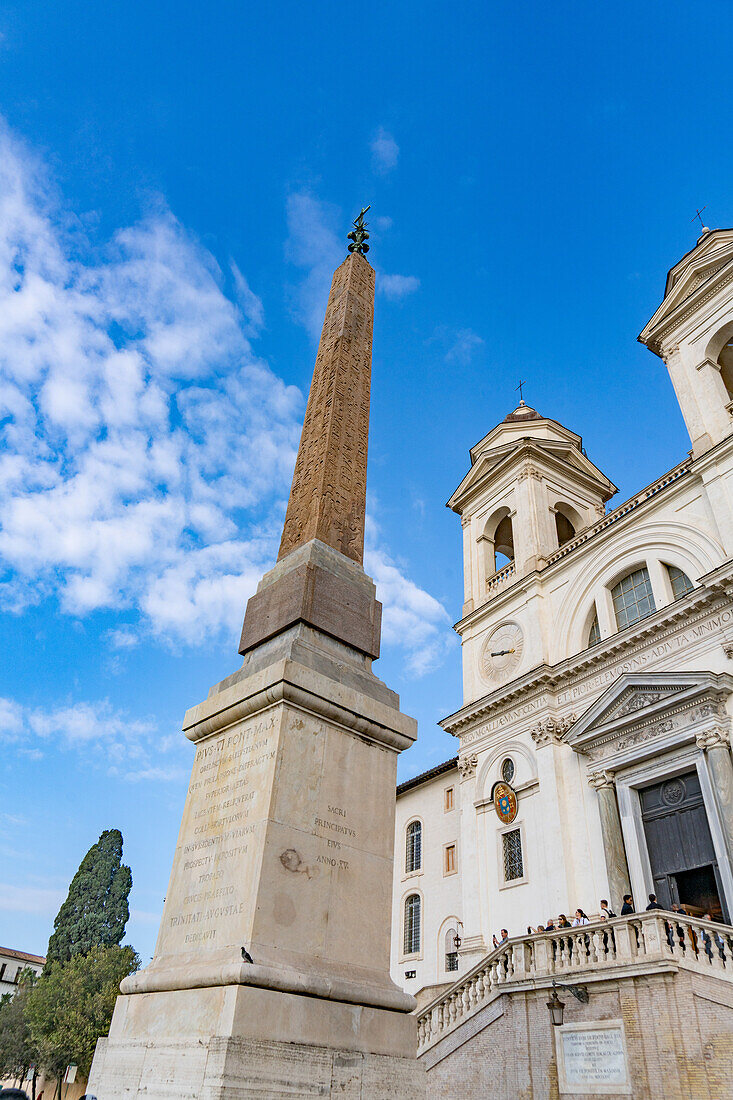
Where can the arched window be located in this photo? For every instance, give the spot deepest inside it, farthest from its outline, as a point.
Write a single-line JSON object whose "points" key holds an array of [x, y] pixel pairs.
{"points": [[567, 522], [413, 851], [594, 634], [725, 362], [503, 543], [564, 528], [633, 598], [451, 949], [681, 583], [412, 925]]}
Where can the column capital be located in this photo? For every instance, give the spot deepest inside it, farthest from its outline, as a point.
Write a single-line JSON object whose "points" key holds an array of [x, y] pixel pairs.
{"points": [[602, 780], [713, 738], [552, 730], [467, 765]]}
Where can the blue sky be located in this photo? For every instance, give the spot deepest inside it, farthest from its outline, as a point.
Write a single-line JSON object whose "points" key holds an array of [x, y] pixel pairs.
{"points": [[176, 183]]}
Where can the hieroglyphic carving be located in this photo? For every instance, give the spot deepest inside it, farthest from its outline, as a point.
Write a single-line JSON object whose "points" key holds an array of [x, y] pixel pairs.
{"points": [[328, 494]]}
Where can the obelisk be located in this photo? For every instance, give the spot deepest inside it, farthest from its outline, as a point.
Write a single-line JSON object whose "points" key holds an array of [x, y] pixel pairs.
{"points": [[271, 970]]}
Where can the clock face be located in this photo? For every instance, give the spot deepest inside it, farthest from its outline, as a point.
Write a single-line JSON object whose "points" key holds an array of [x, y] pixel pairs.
{"points": [[502, 652]]}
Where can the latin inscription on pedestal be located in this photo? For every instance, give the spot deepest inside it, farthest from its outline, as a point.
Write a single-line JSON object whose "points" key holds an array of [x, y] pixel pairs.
{"points": [[592, 1058], [211, 883], [281, 826]]}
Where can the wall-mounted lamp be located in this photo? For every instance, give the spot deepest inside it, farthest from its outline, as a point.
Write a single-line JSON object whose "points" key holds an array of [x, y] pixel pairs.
{"points": [[556, 1008]]}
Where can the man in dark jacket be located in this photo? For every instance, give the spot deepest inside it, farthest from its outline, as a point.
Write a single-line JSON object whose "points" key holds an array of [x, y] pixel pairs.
{"points": [[653, 903], [628, 905]]}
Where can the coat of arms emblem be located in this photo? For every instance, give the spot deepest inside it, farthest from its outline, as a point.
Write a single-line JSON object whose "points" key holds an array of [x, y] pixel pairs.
{"points": [[505, 803]]}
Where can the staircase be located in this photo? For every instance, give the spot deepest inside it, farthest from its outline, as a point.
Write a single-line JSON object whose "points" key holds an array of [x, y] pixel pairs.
{"points": [[626, 946]]}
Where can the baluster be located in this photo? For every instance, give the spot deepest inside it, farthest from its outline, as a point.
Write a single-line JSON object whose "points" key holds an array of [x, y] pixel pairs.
{"points": [[599, 948], [575, 949]]}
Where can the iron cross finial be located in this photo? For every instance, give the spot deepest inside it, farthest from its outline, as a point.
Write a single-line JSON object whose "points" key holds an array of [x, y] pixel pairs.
{"points": [[699, 215], [359, 235], [522, 382]]}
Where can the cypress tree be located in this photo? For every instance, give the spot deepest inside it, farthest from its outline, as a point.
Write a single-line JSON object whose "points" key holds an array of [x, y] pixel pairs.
{"points": [[96, 910]]}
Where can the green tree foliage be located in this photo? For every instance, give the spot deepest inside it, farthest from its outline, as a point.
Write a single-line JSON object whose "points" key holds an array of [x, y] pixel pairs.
{"points": [[71, 1005], [17, 1049], [96, 910]]}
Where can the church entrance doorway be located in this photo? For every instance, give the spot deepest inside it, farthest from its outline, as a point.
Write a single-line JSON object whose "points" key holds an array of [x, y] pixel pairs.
{"points": [[680, 847]]}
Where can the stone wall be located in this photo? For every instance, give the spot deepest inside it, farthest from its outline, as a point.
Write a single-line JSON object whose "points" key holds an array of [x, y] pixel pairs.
{"points": [[678, 1030]]}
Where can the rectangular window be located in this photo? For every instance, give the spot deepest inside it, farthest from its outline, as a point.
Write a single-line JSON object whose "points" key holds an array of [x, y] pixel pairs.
{"points": [[450, 859], [448, 799], [451, 960], [513, 863]]}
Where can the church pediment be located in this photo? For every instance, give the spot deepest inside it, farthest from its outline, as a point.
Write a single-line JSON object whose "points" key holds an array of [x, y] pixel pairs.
{"points": [[641, 711], [637, 698], [561, 455], [712, 253]]}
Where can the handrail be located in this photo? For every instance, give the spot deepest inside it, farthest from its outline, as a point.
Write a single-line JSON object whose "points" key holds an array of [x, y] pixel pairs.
{"points": [[649, 937]]}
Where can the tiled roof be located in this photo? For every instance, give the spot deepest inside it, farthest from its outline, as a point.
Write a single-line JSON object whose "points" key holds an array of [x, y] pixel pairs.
{"points": [[24, 956], [446, 766]]}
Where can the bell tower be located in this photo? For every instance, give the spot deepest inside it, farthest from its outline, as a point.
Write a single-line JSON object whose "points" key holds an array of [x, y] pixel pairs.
{"points": [[692, 332], [530, 489]]}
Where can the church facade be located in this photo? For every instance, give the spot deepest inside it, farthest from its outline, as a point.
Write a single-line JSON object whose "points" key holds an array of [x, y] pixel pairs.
{"points": [[593, 743]]}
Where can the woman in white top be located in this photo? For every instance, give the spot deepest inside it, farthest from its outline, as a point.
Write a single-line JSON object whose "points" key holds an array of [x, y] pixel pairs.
{"points": [[580, 918]]}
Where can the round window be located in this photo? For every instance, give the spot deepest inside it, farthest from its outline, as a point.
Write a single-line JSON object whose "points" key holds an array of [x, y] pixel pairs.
{"points": [[507, 770]]}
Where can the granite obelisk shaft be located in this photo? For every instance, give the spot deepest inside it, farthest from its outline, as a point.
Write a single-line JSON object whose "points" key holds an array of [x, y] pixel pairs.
{"points": [[327, 501], [328, 494]]}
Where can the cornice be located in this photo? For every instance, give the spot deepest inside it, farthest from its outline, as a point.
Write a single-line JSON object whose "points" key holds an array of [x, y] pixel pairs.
{"points": [[684, 309], [550, 451], [694, 607]]}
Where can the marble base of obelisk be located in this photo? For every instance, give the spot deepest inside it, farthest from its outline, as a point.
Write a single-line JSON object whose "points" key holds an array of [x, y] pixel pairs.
{"points": [[284, 857]]}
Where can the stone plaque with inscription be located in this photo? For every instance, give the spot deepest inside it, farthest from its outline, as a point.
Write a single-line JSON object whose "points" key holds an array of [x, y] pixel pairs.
{"points": [[592, 1058]]}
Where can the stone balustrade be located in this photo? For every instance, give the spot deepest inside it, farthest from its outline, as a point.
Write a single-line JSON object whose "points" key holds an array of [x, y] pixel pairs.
{"points": [[498, 580], [588, 952], [620, 512]]}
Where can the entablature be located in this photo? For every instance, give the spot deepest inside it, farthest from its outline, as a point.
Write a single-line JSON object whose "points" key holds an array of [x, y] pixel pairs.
{"points": [[555, 689]]}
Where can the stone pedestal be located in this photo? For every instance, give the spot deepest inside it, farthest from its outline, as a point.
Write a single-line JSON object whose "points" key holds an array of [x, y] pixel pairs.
{"points": [[284, 857]]}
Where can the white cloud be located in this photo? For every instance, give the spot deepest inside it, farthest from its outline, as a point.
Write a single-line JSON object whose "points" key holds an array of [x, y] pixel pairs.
{"points": [[397, 286], [411, 617], [462, 346], [385, 151], [165, 775], [134, 749], [137, 425], [145, 449], [313, 243]]}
